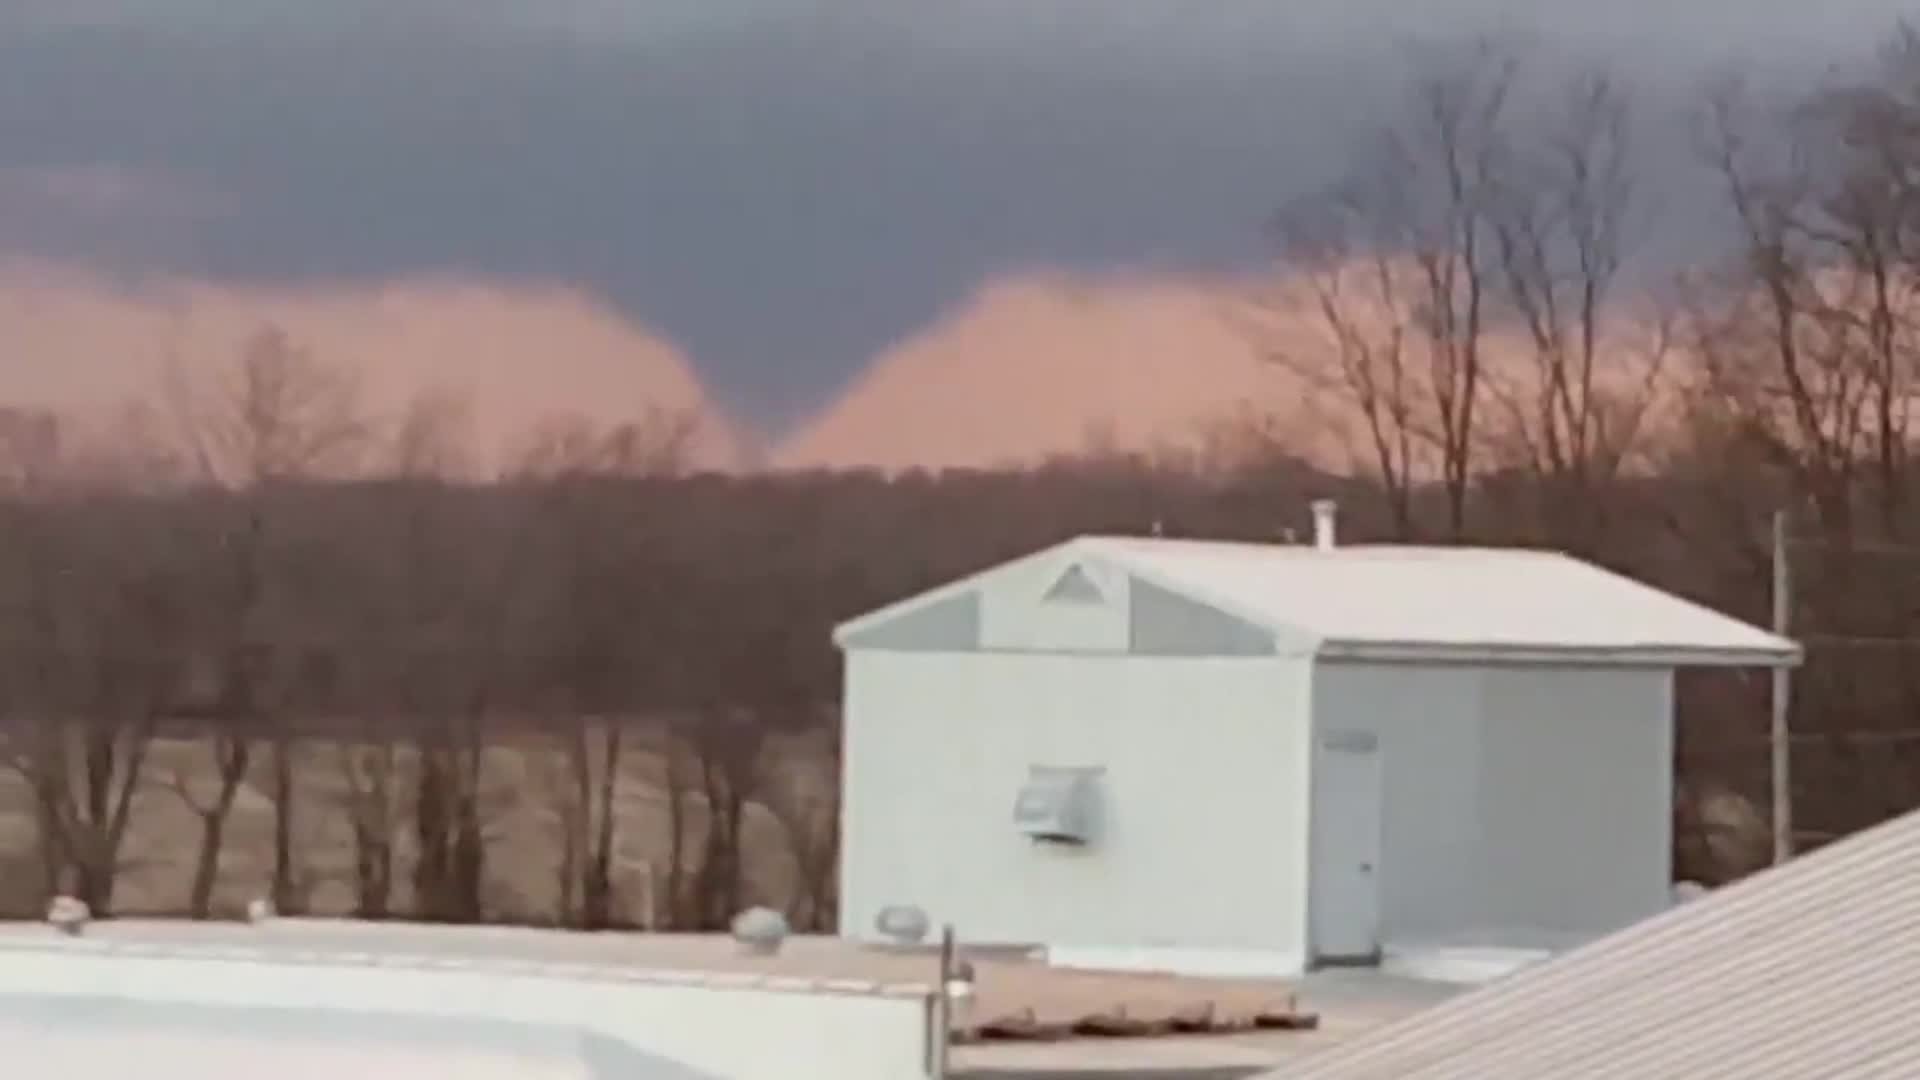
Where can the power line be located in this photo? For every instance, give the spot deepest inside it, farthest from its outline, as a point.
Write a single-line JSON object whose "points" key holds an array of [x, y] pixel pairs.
{"points": [[1861, 547], [1858, 737], [1858, 641], [1804, 740]]}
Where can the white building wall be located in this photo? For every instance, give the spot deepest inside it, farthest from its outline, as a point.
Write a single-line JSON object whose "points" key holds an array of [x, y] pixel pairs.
{"points": [[1576, 799], [1428, 722], [1524, 806], [1204, 797]]}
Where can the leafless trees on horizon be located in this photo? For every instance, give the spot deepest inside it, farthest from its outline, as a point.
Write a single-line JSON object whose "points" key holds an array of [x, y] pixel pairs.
{"points": [[1473, 305]]}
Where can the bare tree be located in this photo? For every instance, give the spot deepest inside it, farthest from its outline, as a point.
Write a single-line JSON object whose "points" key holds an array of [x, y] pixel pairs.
{"points": [[595, 800], [94, 672], [370, 769], [278, 414], [602, 628], [1359, 294], [425, 449], [277, 419], [1810, 336], [1807, 355], [231, 711], [1768, 353], [755, 675], [1458, 150], [1400, 264], [730, 744], [1578, 398], [804, 797], [1868, 215], [678, 768], [456, 568]]}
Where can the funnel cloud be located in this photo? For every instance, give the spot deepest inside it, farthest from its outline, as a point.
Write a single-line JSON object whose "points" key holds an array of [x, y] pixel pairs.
{"points": [[787, 192]]}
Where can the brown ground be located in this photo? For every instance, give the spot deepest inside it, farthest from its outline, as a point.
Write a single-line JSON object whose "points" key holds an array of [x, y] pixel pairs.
{"points": [[520, 795]]}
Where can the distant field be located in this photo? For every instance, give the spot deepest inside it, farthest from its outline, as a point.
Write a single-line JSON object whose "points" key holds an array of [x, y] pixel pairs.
{"points": [[521, 787]]}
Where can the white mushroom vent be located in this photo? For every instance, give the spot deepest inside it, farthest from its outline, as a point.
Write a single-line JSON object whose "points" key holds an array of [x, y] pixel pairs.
{"points": [[69, 915], [760, 930], [1687, 891], [903, 924]]}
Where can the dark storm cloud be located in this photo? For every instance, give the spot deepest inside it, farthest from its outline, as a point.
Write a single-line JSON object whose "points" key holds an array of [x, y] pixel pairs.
{"points": [[783, 191]]}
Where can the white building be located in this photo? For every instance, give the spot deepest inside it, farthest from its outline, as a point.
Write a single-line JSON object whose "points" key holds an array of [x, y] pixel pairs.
{"points": [[1236, 757]]}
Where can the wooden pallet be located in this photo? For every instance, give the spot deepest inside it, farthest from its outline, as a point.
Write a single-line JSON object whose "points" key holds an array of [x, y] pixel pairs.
{"points": [[1025, 1027], [1036, 1003]]}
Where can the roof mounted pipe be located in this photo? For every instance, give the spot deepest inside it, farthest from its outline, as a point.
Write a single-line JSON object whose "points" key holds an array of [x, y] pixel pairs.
{"points": [[1324, 511]]}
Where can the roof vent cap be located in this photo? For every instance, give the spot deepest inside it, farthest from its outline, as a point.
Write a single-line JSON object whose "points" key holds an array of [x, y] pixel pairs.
{"points": [[1324, 512]]}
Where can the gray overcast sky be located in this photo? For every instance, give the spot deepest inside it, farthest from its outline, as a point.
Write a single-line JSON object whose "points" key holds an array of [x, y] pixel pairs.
{"points": [[782, 187]]}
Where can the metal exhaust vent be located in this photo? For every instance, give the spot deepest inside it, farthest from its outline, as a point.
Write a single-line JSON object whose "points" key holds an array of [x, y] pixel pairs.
{"points": [[1059, 805]]}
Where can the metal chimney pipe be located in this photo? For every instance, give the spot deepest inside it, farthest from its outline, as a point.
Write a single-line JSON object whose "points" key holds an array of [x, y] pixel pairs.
{"points": [[1323, 531]]}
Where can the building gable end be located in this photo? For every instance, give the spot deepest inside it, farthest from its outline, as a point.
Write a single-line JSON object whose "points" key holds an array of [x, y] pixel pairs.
{"points": [[951, 624], [1167, 623]]}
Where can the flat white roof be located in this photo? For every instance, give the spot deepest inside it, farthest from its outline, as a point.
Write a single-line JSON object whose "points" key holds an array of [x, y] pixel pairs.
{"points": [[1412, 602], [108, 1038]]}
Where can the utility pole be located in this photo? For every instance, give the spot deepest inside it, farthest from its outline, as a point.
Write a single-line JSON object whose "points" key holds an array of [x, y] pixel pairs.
{"points": [[1781, 697]]}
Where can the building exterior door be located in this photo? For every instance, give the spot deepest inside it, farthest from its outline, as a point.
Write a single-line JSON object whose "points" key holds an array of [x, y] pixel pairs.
{"points": [[1344, 891]]}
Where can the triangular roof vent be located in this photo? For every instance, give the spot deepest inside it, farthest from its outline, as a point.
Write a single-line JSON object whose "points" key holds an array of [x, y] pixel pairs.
{"points": [[1075, 586]]}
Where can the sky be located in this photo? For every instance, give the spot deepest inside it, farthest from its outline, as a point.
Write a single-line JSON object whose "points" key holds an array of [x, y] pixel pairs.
{"points": [[782, 189]]}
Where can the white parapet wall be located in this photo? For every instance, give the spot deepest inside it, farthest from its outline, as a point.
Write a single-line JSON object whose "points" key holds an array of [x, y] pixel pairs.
{"points": [[1200, 963], [711, 1025], [1465, 965]]}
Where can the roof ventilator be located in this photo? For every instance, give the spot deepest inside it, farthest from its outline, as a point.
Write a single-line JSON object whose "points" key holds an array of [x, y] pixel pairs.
{"points": [[1076, 586], [1324, 511]]}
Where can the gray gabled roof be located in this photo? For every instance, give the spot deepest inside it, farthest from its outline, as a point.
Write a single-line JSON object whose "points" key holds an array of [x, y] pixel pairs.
{"points": [[1810, 971], [1394, 602]]}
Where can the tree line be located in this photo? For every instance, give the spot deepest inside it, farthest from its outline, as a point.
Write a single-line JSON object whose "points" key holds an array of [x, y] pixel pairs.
{"points": [[1487, 321], [264, 574], [282, 586]]}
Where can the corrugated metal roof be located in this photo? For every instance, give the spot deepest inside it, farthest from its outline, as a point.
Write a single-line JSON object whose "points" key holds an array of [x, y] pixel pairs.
{"points": [[1374, 600], [1807, 972]]}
